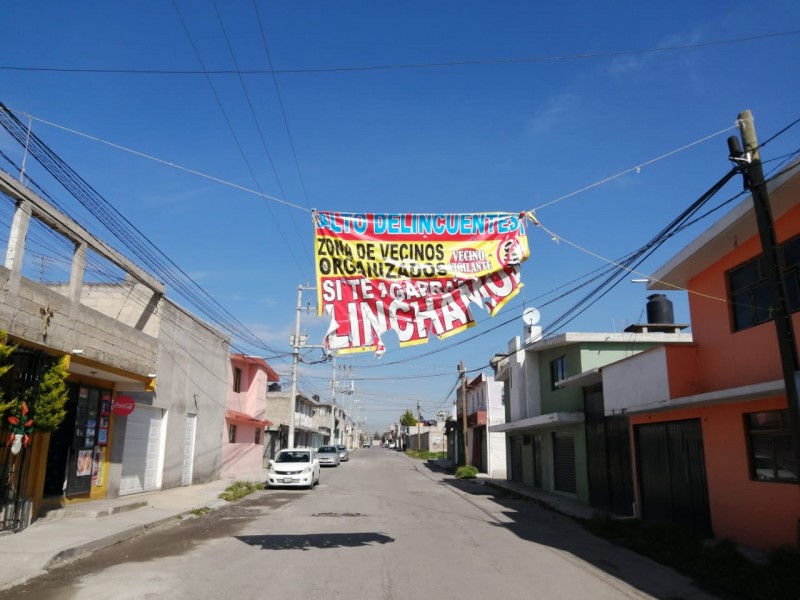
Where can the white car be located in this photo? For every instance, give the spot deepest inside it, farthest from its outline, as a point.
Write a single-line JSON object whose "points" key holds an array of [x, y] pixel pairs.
{"points": [[295, 467]]}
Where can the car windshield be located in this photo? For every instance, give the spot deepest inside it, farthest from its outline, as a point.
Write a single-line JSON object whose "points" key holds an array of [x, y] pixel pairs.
{"points": [[327, 449], [292, 457], [342, 447]]}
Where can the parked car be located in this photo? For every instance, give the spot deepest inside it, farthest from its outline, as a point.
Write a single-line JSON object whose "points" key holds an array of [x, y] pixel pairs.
{"points": [[328, 455], [296, 467], [344, 453]]}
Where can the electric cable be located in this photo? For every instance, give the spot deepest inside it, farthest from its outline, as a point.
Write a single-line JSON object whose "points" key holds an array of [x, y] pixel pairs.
{"points": [[425, 65]]}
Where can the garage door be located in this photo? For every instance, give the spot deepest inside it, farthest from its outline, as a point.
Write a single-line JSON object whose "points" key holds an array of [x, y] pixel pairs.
{"points": [[564, 462], [142, 452]]}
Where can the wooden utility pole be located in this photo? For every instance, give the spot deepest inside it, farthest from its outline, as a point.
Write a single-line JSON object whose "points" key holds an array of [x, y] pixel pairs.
{"points": [[463, 373], [750, 165]]}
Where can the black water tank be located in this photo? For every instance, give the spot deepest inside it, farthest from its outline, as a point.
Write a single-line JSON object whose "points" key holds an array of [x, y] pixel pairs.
{"points": [[659, 309]]}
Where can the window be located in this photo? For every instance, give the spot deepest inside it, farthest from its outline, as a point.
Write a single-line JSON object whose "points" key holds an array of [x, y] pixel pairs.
{"points": [[232, 433], [749, 289], [237, 379], [771, 449], [558, 371], [258, 435]]}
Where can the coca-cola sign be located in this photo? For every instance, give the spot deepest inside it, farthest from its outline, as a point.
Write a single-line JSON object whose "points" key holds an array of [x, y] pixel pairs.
{"points": [[123, 406]]}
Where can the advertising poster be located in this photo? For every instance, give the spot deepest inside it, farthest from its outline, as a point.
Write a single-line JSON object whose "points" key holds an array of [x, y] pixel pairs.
{"points": [[84, 463], [414, 274], [97, 466]]}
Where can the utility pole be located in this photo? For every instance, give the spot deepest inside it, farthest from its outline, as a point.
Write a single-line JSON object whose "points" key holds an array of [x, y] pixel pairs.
{"points": [[333, 401], [463, 374], [297, 342], [295, 360], [749, 163], [419, 416]]}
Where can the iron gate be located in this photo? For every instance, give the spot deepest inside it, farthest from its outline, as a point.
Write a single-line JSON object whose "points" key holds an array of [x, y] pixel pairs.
{"points": [[22, 381], [672, 473]]}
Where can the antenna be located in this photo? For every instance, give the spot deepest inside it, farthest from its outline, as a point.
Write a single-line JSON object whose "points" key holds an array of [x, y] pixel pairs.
{"points": [[531, 316]]}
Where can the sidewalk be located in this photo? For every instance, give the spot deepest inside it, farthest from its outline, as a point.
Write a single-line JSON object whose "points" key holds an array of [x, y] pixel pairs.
{"points": [[76, 530], [556, 502]]}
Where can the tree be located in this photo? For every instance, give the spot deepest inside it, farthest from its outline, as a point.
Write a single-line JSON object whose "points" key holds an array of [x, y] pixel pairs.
{"points": [[408, 419], [6, 350], [49, 411]]}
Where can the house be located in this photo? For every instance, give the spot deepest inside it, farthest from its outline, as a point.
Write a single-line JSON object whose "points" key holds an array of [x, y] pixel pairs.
{"points": [[145, 377], [546, 421], [246, 415], [427, 436], [306, 432], [483, 400], [710, 423]]}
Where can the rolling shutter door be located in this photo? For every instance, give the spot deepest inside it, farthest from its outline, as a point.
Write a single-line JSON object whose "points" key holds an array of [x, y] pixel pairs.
{"points": [[516, 459], [564, 462]]}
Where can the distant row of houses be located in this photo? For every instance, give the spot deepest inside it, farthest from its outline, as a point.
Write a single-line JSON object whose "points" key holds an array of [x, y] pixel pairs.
{"points": [[653, 422], [157, 398]]}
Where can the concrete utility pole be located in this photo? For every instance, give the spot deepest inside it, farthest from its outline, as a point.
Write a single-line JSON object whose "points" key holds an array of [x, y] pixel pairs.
{"points": [[463, 373], [419, 416], [750, 166], [295, 360], [297, 342]]}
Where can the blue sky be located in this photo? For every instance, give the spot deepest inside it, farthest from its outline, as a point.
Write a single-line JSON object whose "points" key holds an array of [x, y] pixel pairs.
{"points": [[399, 107]]}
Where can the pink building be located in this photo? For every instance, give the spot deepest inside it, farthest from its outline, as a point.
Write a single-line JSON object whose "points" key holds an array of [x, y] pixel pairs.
{"points": [[245, 416]]}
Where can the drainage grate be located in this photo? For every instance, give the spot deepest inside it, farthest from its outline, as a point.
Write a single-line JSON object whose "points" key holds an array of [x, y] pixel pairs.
{"points": [[335, 514]]}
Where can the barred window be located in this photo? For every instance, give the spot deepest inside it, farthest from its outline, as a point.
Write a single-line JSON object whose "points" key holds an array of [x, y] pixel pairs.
{"points": [[771, 449], [232, 433], [558, 371], [749, 288]]}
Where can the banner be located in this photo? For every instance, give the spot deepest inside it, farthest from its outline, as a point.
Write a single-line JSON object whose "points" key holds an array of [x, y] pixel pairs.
{"points": [[415, 274]]}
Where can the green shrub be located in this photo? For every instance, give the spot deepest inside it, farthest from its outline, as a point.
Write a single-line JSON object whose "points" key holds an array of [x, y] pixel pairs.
{"points": [[239, 489], [466, 472]]}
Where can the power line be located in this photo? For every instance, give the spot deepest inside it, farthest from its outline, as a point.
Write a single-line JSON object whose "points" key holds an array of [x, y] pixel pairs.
{"points": [[124, 231], [287, 245], [399, 66]]}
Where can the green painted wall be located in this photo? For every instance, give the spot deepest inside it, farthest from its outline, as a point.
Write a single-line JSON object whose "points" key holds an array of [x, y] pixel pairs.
{"points": [[580, 357]]}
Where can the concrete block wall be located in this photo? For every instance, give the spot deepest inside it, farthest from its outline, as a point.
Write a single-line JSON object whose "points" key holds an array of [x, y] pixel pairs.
{"points": [[278, 407], [44, 316], [193, 369]]}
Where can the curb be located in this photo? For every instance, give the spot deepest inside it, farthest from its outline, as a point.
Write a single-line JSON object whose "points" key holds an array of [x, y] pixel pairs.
{"points": [[69, 554]]}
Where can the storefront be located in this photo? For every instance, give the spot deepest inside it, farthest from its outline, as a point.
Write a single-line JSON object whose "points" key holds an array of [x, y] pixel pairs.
{"points": [[77, 456]]}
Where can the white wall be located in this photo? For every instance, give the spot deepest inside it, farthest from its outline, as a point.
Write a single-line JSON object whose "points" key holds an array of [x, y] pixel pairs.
{"points": [[638, 380]]}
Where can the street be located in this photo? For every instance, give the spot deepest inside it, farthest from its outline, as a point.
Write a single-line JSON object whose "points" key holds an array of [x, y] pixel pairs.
{"points": [[381, 526]]}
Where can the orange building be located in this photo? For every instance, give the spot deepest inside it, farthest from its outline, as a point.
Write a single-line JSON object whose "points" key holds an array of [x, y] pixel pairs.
{"points": [[710, 424]]}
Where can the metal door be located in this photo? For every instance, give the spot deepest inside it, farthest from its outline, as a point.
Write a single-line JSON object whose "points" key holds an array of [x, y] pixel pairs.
{"points": [[564, 462], [608, 456], [672, 473], [188, 449], [140, 457], [516, 459]]}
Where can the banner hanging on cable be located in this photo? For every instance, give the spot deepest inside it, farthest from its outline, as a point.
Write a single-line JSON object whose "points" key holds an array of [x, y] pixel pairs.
{"points": [[415, 274]]}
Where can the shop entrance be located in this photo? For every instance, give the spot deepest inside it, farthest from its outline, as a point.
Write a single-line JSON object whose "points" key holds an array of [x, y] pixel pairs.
{"points": [[77, 446]]}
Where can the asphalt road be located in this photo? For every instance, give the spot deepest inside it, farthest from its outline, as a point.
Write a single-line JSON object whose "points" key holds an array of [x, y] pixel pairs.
{"points": [[380, 527]]}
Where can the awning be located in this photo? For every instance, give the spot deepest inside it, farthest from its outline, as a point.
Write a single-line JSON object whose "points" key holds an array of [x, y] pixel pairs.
{"points": [[240, 417], [547, 421]]}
